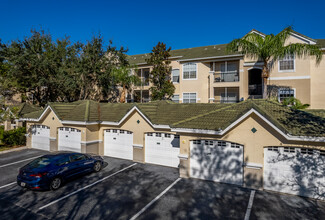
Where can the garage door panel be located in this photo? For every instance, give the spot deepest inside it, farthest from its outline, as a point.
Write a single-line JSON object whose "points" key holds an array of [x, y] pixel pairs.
{"points": [[118, 143], [69, 139], [220, 162], [41, 137], [162, 149], [296, 171]]}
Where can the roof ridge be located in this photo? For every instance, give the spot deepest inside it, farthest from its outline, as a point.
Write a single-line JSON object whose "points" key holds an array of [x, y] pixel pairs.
{"points": [[87, 111], [202, 115]]}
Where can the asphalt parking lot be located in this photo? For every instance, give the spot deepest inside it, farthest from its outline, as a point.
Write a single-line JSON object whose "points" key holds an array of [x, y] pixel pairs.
{"points": [[128, 190]]}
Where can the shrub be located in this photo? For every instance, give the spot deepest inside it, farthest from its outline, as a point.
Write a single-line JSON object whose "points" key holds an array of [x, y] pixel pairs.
{"points": [[1, 134], [15, 137]]}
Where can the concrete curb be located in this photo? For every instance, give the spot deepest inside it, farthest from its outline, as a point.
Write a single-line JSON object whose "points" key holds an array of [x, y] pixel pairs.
{"points": [[14, 149]]}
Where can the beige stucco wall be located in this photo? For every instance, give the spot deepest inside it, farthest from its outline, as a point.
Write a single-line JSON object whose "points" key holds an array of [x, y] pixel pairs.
{"points": [[199, 85], [51, 120], [138, 129], [317, 83], [254, 144], [302, 87]]}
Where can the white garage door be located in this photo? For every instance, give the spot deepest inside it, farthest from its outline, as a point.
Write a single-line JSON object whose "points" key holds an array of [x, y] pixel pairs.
{"points": [[69, 139], [41, 137], [118, 143], [162, 149], [298, 171], [217, 161]]}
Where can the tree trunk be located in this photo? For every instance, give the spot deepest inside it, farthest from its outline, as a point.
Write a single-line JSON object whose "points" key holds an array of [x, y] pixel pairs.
{"points": [[265, 76], [122, 98], [264, 87]]}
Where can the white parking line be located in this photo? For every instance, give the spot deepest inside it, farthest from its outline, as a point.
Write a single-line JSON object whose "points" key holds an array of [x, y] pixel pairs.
{"points": [[7, 185], [83, 188], [154, 200], [8, 164], [250, 205]]}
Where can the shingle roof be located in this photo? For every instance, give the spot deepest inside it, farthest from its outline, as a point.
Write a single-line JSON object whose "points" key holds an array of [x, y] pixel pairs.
{"points": [[188, 53], [321, 43], [195, 116], [26, 108]]}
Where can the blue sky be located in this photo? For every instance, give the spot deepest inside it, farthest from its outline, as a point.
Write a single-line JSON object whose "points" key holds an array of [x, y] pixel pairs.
{"points": [[139, 25]]}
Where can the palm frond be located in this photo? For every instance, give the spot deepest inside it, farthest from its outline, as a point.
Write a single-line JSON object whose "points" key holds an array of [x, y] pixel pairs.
{"points": [[301, 50]]}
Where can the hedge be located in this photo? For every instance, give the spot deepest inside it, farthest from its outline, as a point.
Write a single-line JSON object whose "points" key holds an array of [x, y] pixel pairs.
{"points": [[14, 137]]}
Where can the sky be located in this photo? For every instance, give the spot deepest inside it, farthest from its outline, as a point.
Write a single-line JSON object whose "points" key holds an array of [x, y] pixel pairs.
{"points": [[140, 25]]}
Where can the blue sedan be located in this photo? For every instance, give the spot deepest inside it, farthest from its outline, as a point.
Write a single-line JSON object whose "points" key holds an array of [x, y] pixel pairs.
{"points": [[50, 171]]}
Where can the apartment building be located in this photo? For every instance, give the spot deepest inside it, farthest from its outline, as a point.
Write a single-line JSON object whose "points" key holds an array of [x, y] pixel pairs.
{"points": [[211, 74]]}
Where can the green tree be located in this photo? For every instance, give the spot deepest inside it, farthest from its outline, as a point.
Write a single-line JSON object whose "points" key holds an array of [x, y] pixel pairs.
{"points": [[271, 48], [294, 103], [122, 76], [160, 76], [35, 65]]}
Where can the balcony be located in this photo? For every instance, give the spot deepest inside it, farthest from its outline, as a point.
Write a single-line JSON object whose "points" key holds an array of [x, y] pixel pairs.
{"points": [[229, 76]]}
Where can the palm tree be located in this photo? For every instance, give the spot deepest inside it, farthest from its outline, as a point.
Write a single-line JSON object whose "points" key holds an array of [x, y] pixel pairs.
{"points": [[271, 48], [122, 76]]}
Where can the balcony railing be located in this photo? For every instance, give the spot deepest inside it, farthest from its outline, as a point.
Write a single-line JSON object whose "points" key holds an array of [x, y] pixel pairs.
{"points": [[229, 76]]}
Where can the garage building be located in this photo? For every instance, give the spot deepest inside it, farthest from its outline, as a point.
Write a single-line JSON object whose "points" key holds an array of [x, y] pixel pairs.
{"points": [[256, 143]]}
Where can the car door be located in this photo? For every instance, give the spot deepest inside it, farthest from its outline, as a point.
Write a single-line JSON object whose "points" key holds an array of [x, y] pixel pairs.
{"points": [[79, 163], [65, 169]]}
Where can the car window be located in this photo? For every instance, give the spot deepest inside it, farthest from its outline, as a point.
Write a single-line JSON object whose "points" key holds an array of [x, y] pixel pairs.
{"points": [[62, 161], [77, 157], [40, 162]]}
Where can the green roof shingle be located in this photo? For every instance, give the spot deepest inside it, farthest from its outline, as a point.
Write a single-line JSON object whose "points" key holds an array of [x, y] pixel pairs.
{"points": [[194, 116]]}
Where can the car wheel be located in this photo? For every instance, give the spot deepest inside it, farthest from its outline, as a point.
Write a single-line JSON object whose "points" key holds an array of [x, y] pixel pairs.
{"points": [[97, 166], [55, 183]]}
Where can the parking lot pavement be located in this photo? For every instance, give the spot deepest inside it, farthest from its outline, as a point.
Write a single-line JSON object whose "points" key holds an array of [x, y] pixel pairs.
{"points": [[268, 205], [119, 197], [198, 199], [124, 189], [11, 162]]}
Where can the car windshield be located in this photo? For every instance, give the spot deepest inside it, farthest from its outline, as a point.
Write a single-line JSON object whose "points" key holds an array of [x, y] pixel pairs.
{"points": [[40, 162]]}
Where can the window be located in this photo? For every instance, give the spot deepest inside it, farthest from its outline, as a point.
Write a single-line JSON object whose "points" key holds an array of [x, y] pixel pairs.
{"points": [[197, 142], [322, 153], [63, 161], [67, 129], [285, 93], [129, 132], [234, 145], [208, 142], [175, 98], [276, 149], [149, 134], [121, 132], [189, 97], [77, 157], [189, 71], [167, 135], [114, 131], [289, 149], [222, 144], [307, 151], [61, 129], [158, 134], [72, 129], [175, 75], [287, 63]]}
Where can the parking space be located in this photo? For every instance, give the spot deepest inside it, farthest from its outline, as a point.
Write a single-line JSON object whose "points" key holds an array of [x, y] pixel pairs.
{"points": [[124, 189]]}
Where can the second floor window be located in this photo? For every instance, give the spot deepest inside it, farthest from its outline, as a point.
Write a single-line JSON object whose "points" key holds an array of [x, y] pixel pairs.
{"points": [[287, 63], [175, 75], [189, 71]]}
